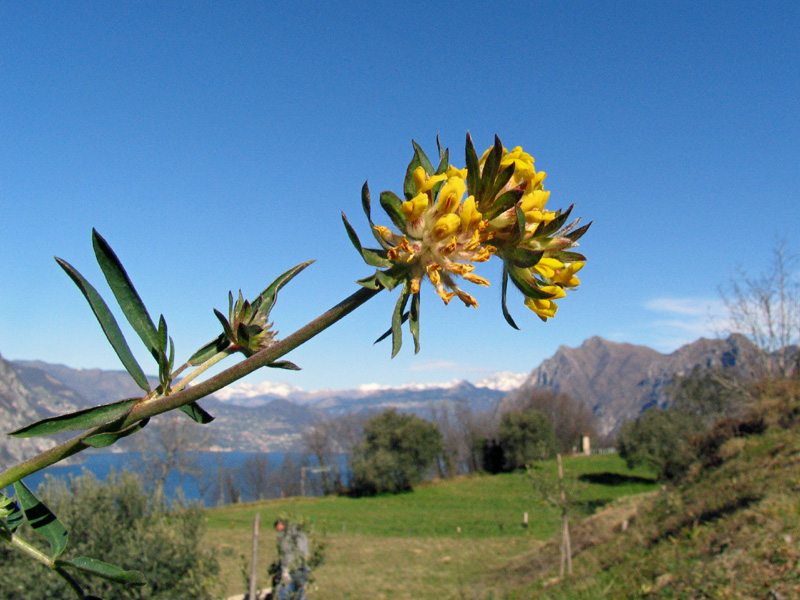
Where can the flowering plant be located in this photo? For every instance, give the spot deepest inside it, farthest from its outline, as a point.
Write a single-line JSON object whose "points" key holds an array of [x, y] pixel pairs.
{"points": [[439, 234]]}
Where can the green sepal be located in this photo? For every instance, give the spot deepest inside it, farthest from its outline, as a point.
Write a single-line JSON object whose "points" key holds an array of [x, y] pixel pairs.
{"points": [[503, 296], [391, 204], [266, 299], [413, 321], [373, 257], [502, 179], [284, 364], [196, 413], [423, 158], [409, 188], [503, 203], [14, 516], [439, 147], [366, 204], [567, 256], [556, 224], [526, 288], [578, 233], [41, 519], [388, 279], [443, 164], [81, 419], [490, 168], [108, 323], [524, 258], [102, 440], [210, 349], [388, 332], [128, 299], [473, 168], [226, 327], [397, 319], [102, 569], [520, 221]]}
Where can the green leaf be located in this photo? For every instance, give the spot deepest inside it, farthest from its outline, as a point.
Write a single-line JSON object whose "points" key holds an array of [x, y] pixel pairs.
{"points": [[524, 258], [409, 187], [108, 323], [128, 299], [526, 288], [423, 159], [397, 319], [578, 233], [444, 161], [268, 296], [473, 168], [506, 314], [284, 364], [41, 519], [413, 323], [567, 256], [556, 224], [103, 569], [391, 204], [490, 168], [366, 204], [520, 221], [102, 440], [374, 258], [14, 516], [388, 332], [502, 179], [82, 419], [195, 411], [226, 327], [210, 349], [503, 203]]}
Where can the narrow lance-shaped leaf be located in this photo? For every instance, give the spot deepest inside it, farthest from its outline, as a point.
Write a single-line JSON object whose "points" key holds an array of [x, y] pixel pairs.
{"points": [[413, 323], [196, 413], [388, 332], [503, 299], [268, 296], [473, 169], [14, 516], [423, 158], [109, 325], [211, 349], [129, 301], [103, 440], [103, 569], [397, 319], [366, 204], [81, 419], [284, 364], [371, 257], [409, 187], [526, 288], [41, 519], [391, 204]]}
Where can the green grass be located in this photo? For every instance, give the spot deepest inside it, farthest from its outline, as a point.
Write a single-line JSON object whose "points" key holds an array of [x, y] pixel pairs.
{"points": [[409, 545]]}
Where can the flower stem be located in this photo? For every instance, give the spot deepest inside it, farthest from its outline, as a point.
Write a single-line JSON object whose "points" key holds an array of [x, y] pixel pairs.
{"points": [[185, 396]]}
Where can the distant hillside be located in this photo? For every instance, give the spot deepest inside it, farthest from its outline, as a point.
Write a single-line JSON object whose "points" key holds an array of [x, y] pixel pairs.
{"points": [[618, 381]]}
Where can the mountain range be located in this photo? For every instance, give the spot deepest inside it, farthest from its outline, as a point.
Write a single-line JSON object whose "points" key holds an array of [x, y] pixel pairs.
{"points": [[617, 380]]}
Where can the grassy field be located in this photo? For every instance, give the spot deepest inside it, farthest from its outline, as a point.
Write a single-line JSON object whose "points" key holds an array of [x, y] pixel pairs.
{"points": [[436, 542]]}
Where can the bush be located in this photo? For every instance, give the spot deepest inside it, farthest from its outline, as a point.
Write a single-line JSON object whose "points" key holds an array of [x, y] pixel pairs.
{"points": [[661, 439], [128, 529], [397, 451], [525, 437]]}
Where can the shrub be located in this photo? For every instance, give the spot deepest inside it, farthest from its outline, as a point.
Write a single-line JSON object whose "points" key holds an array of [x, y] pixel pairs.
{"points": [[126, 528], [525, 437], [396, 452], [661, 439]]}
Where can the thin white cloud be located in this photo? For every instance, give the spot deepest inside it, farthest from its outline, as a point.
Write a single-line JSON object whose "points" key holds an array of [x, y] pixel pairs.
{"points": [[435, 366], [683, 320]]}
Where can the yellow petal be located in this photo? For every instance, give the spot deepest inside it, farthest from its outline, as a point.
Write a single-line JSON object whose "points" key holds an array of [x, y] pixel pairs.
{"points": [[446, 226], [414, 208], [468, 213], [450, 195]]}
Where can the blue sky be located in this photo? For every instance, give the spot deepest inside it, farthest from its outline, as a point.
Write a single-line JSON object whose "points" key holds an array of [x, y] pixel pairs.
{"points": [[214, 146]]}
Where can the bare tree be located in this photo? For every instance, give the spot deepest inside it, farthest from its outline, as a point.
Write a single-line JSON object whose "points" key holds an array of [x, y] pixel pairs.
{"points": [[257, 475], [318, 440], [571, 418], [766, 308]]}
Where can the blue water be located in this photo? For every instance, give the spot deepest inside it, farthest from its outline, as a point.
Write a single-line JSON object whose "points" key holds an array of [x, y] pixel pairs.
{"points": [[101, 464]]}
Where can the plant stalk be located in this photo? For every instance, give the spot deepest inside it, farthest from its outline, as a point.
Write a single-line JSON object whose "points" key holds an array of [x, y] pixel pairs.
{"points": [[144, 410]]}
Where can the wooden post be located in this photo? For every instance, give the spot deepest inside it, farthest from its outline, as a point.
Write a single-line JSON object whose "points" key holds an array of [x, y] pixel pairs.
{"points": [[566, 547], [254, 559]]}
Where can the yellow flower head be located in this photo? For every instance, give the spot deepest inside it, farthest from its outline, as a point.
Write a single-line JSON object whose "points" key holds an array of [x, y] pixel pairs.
{"points": [[443, 236]]}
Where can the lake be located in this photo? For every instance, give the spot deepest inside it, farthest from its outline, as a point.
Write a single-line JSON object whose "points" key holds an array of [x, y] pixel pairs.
{"points": [[194, 489]]}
